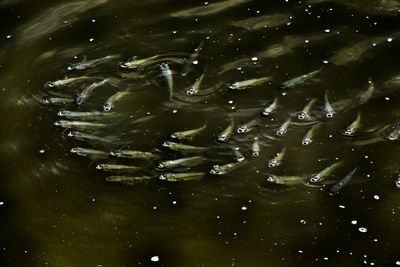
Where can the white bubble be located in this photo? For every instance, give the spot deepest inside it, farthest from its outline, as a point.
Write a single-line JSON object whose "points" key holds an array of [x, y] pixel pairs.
{"points": [[254, 58], [354, 222], [376, 197], [244, 208], [306, 41], [397, 262], [387, 98], [390, 39], [327, 30], [155, 258], [91, 39], [174, 202], [41, 151], [8, 36], [174, 111], [230, 101], [174, 32], [195, 62], [1, 203], [303, 221], [325, 62], [342, 206], [362, 229]]}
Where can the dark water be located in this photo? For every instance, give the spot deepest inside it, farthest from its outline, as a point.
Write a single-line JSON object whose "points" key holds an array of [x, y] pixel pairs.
{"points": [[58, 210]]}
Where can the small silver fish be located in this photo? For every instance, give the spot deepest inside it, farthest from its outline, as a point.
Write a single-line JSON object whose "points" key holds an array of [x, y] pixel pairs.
{"points": [[277, 160], [188, 66], [79, 124], [247, 127], [352, 128], [308, 137], [67, 81], [57, 101], [237, 154], [365, 96], [227, 133], [305, 113], [300, 79], [89, 90], [224, 169], [194, 88], [248, 83], [340, 184], [268, 110], [83, 114], [109, 104], [116, 167], [394, 135], [182, 162], [183, 148], [90, 63], [135, 63], [318, 177], [255, 148], [328, 110], [128, 180], [189, 134], [283, 128], [87, 152], [167, 74], [85, 136], [287, 180], [133, 154], [181, 177]]}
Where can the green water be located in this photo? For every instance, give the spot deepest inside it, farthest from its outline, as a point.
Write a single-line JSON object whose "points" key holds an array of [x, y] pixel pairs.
{"points": [[58, 210]]}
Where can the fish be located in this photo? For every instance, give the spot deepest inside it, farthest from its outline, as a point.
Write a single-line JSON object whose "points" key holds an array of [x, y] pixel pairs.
{"points": [[194, 88], [167, 74], [328, 110], [85, 136], [224, 169], [82, 114], [255, 148], [90, 63], [208, 9], [287, 180], [394, 135], [248, 83], [133, 154], [308, 137], [128, 180], [266, 21], [89, 90], [339, 185], [187, 67], [352, 128], [300, 79], [184, 148], [182, 162], [189, 134], [365, 96], [109, 104], [116, 167], [237, 154], [247, 127], [283, 128], [57, 101], [135, 62], [79, 124], [305, 113], [277, 160], [271, 108], [318, 177], [181, 177], [226, 134], [87, 152], [67, 81]]}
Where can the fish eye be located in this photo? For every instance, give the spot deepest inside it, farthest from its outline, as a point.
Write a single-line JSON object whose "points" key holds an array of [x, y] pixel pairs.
{"points": [[255, 154], [314, 178], [98, 167], [162, 177], [174, 136], [301, 116], [272, 164], [329, 115], [107, 107], [306, 141], [233, 86], [280, 131], [272, 178]]}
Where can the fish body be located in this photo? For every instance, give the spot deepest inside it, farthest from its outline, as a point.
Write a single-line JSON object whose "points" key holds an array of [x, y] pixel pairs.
{"points": [[187, 67], [128, 180], [183, 148], [271, 108], [195, 87], [365, 96], [116, 167], [181, 177], [248, 83], [89, 90], [237, 154], [255, 148], [67, 81], [352, 128], [188, 135], [287, 180], [183, 162], [318, 177], [90, 63], [133, 154], [339, 185], [308, 137], [79, 124], [277, 160], [85, 136], [394, 135], [328, 110], [57, 101], [109, 104], [305, 113], [283, 128], [226, 134], [247, 127], [167, 74], [87, 152], [82, 114], [224, 169], [298, 80], [135, 62]]}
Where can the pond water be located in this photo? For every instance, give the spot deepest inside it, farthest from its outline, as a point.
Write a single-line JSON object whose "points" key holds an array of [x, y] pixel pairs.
{"points": [[169, 66]]}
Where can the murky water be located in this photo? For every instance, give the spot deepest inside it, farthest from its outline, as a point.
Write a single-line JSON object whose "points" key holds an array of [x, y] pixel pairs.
{"points": [[59, 209]]}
